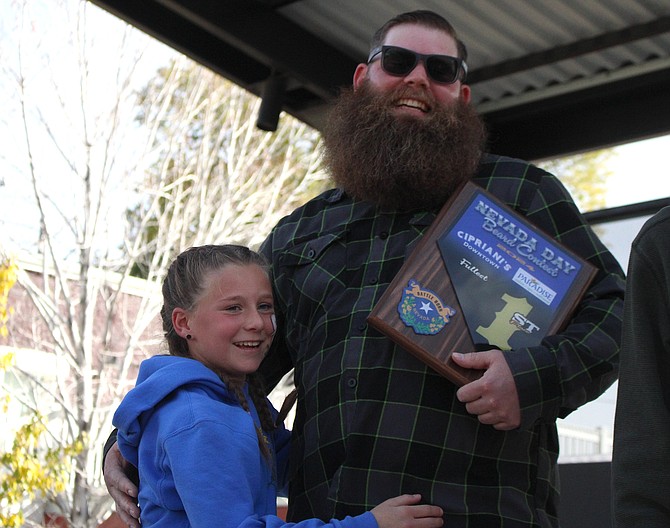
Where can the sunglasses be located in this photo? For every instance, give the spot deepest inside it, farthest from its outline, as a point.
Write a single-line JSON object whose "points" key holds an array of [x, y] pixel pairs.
{"points": [[400, 62]]}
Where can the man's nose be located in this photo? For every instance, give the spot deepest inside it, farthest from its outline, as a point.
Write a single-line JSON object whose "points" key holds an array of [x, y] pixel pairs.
{"points": [[418, 75]]}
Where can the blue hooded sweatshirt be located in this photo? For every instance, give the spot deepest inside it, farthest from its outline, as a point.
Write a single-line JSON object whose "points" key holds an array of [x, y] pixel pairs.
{"points": [[197, 452]]}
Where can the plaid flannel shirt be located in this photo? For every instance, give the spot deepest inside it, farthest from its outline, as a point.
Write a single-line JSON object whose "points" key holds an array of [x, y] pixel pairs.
{"points": [[374, 422]]}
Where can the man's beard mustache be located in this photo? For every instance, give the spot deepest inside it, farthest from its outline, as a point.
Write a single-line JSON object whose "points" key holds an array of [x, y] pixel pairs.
{"points": [[400, 162]]}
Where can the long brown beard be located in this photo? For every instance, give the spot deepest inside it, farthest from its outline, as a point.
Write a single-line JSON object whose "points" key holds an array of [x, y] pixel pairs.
{"points": [[400, 163]]}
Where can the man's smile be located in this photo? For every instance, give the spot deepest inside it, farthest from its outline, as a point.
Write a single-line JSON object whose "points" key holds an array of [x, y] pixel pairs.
{"points": [[413, 103]]}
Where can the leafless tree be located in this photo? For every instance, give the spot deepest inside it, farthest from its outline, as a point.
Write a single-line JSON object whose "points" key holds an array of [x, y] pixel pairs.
{"points": [[120, 185]]}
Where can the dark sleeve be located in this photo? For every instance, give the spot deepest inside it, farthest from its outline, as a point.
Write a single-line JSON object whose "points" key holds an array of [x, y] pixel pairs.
{"points": [[111, 440], [641, 455], [131, 471]]}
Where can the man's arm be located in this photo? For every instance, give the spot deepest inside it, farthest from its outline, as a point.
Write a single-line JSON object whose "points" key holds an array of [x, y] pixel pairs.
{"points": [[578, 364], [118, 474]]}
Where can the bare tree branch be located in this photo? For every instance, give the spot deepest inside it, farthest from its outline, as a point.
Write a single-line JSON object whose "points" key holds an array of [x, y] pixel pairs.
{"points": [[139, 180]]}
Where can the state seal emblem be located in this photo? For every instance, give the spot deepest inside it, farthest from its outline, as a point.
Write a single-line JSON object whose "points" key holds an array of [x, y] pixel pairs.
{"points": [[422, 310]]}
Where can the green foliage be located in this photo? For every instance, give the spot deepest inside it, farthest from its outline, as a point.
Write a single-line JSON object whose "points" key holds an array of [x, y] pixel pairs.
{"points": [[31, 469], [585, 176], [7, 280]]}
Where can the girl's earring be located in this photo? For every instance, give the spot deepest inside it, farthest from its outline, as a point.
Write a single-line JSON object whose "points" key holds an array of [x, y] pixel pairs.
{"points": [[188, 336]]}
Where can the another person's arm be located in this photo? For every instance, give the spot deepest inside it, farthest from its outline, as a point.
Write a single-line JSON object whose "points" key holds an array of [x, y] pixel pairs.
{"points": [[121, 488], [641, 456]]}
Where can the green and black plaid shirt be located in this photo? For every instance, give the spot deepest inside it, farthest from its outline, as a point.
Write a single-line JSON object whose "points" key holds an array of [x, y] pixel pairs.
{"points": [[372, 421]]}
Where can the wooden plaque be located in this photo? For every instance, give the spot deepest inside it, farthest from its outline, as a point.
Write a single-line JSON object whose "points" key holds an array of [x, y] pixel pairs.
{"points": [[482, 277]]}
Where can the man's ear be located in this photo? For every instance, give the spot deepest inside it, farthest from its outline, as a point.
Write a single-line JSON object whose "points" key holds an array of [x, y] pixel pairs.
{"points": [[465, 93], [180, 322], [360, 74]]}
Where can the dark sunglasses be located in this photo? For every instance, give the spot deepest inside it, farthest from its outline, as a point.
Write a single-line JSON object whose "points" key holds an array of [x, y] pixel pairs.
{"points": [[400, 62]]}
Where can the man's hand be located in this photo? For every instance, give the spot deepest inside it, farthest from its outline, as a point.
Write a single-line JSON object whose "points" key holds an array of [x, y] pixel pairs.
{"points": [[121, 488], [493, 397]]}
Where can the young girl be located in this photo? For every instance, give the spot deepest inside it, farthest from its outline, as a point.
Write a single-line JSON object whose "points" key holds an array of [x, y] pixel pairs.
{"points": [[198, 425]]}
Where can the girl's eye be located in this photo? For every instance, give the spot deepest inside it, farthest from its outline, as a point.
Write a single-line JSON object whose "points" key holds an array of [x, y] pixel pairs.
{"points": [[234, 308], [266, 307]]}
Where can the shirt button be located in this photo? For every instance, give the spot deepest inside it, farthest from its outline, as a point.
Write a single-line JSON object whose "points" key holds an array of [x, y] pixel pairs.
{"points": [[383, 235], [373, 280], [311, 253], [352, 382]]}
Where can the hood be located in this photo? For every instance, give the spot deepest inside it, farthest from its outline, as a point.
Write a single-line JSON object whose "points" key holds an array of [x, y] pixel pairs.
{"points": [[158, 378]]}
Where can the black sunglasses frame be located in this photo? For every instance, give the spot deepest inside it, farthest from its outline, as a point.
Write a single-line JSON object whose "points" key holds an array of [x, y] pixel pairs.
{"points": [[461, 67]]}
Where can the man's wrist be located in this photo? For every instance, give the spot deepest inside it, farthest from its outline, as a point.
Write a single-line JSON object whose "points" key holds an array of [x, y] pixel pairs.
{"points": [[108, 445]]}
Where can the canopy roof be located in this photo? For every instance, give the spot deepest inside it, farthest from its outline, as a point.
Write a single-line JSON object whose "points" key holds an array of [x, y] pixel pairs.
{"points": [[550, 78]]}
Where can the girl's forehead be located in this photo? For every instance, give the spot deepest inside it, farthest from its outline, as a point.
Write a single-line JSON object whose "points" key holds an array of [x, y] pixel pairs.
{"points": [[233, 279]]}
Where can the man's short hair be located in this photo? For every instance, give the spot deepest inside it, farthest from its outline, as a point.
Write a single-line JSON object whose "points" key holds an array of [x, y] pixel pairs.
{"points": [[422, 17]]}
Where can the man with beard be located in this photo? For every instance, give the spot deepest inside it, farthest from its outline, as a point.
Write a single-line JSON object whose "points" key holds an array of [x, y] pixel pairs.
{"points": [[372, 421]]}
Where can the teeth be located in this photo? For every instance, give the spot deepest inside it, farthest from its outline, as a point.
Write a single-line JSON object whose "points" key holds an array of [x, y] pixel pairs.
{"points": [[413, 103], [248, 344]]}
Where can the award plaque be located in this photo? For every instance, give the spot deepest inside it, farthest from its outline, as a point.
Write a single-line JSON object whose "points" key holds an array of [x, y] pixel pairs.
{"points": [[482, 277]]}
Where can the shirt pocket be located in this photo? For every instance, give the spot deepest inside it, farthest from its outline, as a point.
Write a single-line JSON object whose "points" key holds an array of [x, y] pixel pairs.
{"points": [[306, 275]]}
